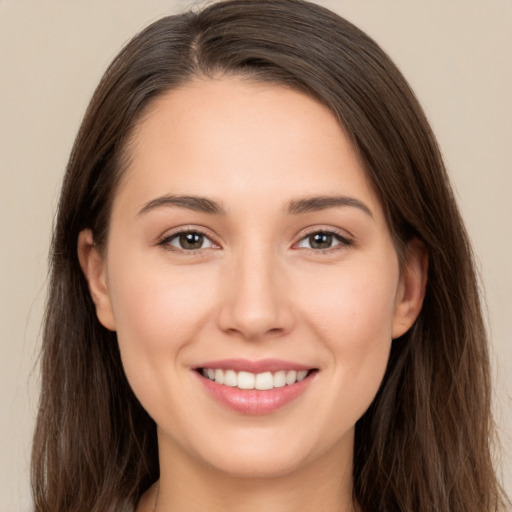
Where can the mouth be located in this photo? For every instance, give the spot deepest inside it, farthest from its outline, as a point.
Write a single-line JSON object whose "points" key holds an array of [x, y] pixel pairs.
{"points": [[263, 381], [255, 388]]}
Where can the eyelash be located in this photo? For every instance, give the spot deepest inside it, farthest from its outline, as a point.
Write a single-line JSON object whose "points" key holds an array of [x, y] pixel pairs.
{"points": [[343, 241], [166, 241]]}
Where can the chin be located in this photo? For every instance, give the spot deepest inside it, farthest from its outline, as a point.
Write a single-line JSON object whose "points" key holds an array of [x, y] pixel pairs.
{"points": [[257, 465], [271, 454]]}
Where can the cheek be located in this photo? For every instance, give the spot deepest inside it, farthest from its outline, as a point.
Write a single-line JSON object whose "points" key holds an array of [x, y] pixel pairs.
{"points": [[353, 308], [157, 306], [158, 312], [352, 317]]}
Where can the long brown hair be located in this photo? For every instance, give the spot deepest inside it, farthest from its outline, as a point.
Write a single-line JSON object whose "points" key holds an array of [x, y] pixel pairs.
{"points": [[425, 442]]}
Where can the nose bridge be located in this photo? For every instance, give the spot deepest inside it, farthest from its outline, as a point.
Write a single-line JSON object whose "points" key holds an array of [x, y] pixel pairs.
{"points": [[255, 304]]}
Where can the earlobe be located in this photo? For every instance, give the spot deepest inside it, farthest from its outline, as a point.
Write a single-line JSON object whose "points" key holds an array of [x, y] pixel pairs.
{"points": [[93, 267], [412, 286]]}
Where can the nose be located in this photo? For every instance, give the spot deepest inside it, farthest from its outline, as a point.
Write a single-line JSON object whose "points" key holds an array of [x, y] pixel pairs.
{"points": [[255, 299]]}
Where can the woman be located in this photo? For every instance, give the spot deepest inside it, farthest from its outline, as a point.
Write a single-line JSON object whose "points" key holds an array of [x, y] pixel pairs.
{"points": [[262, 294]]}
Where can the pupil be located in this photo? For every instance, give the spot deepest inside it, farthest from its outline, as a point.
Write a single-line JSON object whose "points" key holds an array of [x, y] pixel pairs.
{"points": [[320, 241], [191, 240]]}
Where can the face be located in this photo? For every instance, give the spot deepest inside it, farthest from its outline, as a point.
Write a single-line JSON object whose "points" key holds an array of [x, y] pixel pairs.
{"points": [[251, 278]]}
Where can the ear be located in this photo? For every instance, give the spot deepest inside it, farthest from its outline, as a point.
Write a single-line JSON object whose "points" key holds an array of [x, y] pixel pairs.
{"points": [[411, 288], [93, 266]]}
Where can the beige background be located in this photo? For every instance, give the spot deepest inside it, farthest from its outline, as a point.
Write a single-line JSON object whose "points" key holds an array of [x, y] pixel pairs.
{"points": [[456, 54]]}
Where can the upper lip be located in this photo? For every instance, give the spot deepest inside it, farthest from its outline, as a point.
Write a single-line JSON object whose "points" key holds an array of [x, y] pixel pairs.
{"points": [[259, 366]]}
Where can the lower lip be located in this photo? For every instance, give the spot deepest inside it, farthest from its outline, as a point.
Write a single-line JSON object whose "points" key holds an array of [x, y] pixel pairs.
{"points": [[253, 401]]}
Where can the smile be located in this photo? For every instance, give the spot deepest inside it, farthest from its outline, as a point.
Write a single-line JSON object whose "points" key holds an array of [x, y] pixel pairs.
{"points": [[255, 388], [247, 380]]}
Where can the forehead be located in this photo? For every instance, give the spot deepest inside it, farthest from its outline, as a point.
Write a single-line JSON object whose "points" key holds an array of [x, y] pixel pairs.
{"points": [[233, 138]]}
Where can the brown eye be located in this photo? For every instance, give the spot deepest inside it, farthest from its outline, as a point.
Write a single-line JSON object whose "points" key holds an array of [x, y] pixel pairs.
{"points": [[320, 240], [323, 240], [189, 241]]}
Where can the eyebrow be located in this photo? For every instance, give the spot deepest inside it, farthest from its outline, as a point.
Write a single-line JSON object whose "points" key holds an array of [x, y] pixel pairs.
{"points": [[295, 207], [197, 204], [313, 204]]}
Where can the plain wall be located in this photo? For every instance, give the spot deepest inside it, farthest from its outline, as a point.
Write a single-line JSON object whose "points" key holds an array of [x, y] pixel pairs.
{"points": [[457, 56]]}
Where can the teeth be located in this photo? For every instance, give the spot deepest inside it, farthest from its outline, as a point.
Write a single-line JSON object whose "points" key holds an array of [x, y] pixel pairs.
{"points": [[219, 376], [230, 378], [260, 381], [291, 377], [301, 375], [280, 379], [245, 380], [264, 381]]}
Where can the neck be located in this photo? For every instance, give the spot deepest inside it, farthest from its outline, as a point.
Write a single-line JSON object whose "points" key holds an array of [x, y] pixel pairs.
{"points": [[188, 485]]}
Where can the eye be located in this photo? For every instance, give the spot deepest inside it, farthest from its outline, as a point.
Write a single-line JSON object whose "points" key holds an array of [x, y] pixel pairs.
{"points": [[188, 241], [323, 240]]}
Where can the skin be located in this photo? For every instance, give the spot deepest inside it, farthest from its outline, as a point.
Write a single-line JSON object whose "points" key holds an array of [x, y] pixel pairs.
{"points": [[256, 289]]}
